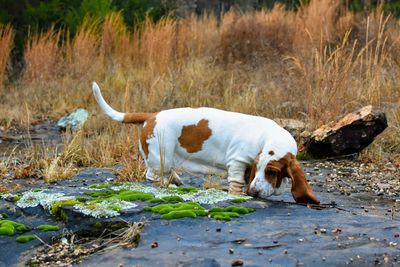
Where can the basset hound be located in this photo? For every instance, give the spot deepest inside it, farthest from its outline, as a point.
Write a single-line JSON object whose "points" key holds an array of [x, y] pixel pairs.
{"points": [[208, 140]]}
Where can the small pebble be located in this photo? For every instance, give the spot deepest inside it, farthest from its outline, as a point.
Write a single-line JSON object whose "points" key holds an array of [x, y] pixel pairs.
{"points": [[237, 262], [154, 244], [218, 230], [285, 252], [231, 251], [322, 230]]}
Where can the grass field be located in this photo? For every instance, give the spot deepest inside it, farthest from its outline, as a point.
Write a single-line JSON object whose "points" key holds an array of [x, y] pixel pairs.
{"points": [[315, 65]]}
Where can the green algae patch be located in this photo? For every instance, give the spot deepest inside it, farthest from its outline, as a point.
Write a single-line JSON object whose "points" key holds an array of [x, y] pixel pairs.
{"points": [[223, 215], [156, 200], [47, 227], [100, 186], [172, 199], [240, 210], [37, 190], [25, 238], [82, 199], [56, 210], [178, 210], [177, 214], [8, 227], [55, 206], [238, 200], [185, 190], [226, 214], [6, 230], [13, 198], [130, 195], [102, 194]]}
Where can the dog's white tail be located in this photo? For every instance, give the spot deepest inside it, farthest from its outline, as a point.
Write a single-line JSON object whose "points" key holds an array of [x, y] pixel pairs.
{"points": [[131, 117]]}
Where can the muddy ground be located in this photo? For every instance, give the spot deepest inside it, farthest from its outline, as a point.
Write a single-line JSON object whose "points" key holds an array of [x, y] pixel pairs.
{"points": [[357, 224]]}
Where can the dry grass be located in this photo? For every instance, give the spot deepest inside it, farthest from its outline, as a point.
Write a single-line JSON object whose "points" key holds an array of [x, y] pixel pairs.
{"points": [[6, 41], [314, 64]]}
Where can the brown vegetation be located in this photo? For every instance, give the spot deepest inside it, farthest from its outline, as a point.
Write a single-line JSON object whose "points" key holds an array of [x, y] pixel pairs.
{"points": [[314, 64]]}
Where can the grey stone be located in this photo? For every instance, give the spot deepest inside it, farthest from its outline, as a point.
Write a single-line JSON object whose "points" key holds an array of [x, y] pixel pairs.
{"points": [[75, 120], [294, 127]]}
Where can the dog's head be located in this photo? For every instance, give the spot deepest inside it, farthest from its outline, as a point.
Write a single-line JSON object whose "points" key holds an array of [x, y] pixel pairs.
{"points": [[271, 176]]}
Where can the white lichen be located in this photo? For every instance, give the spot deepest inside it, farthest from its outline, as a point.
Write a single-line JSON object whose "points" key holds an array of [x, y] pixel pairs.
{"points": [[210, 196], [104, 209]]}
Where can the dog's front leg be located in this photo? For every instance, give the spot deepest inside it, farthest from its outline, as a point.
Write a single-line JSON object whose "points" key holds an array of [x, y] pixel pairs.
{"points": [[236, 178]]}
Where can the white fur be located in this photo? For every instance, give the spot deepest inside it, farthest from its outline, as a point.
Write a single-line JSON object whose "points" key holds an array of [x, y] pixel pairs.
{"points": [[115, 115], [235, 142]]}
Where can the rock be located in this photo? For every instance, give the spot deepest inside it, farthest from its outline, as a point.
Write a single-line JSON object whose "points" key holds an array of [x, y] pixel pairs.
{"points": [[237, 262], [294, 127], [349, 135], [75, 120]]}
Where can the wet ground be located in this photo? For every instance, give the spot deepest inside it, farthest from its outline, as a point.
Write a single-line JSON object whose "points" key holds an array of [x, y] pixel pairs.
{"points": [[357, 224], [357, 229]]}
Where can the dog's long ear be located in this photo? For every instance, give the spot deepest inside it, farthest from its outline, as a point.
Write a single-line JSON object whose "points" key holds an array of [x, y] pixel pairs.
{"points": [[301, 190], [273, 173], [253, 171]]}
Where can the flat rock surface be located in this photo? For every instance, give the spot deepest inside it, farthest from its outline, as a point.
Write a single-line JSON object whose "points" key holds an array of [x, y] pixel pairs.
{"points": [[357, 228]]}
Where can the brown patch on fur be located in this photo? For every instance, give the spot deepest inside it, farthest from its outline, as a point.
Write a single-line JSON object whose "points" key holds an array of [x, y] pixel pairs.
{"points": [[288, 166], [193, 136], [147, 133], [137, 117], [252, 172], [271, 152]]}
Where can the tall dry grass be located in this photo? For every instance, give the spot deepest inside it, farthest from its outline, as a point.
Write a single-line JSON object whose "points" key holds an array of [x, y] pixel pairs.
{"points": [[314, 64], [6, 41]]}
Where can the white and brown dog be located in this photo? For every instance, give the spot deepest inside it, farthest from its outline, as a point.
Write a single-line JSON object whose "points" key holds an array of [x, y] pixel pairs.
{"points": [[208, 140]]}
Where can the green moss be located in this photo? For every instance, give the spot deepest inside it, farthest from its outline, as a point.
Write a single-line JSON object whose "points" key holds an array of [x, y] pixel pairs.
{"points": [[37, 190], [217, 209], [106, 193], [5, 230], [47, 227], [56, 210], [14, 198], [178, 210], [156, 200], [172, 198], [185, 190], [14, 226], [133, 196], [240, 210], [165, 208], [25, 238], [115, 207], [238, 200], [224, 215], [55, 206], [177, 214], [201, 212], [82, 199], [4, 216], [100, 186]]}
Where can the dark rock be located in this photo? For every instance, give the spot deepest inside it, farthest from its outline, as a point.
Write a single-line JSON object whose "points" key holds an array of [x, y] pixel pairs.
{"points": [[349, 135]]}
